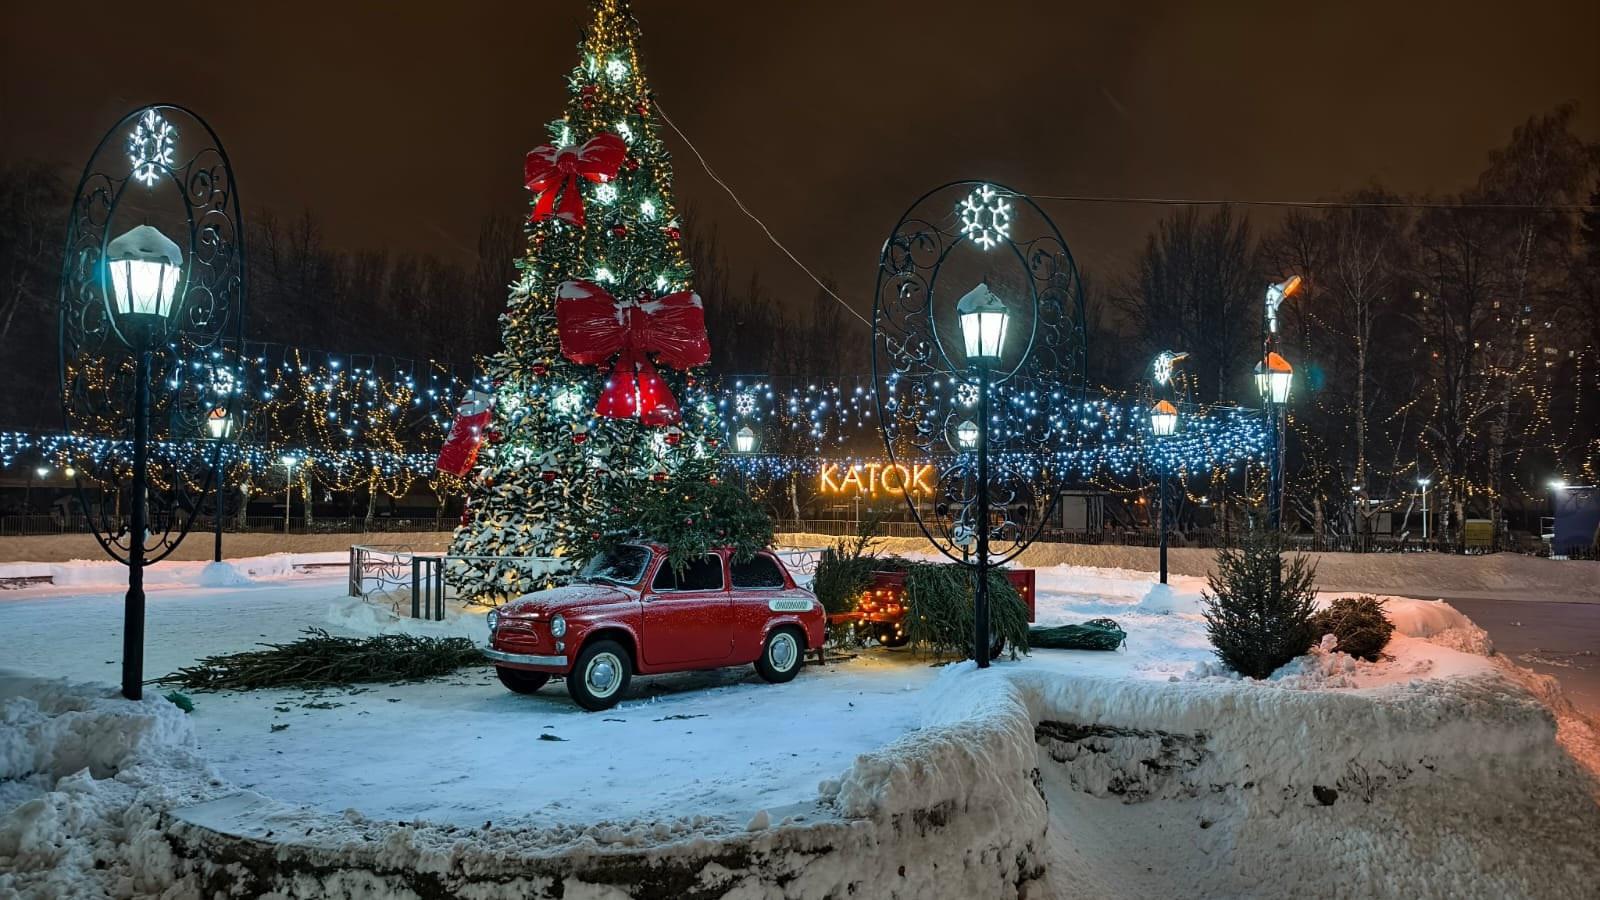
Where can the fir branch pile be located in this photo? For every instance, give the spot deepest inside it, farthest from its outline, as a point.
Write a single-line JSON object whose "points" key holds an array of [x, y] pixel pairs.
{"points": [[940, 612], [320, 659], [691, 512], [1358, 624], [1257, 615]]}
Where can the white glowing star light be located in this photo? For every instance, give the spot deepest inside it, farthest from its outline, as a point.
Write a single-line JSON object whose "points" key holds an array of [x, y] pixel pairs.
{"points": [[150, 146], [616, 69], [605, 193], [985, 217]]}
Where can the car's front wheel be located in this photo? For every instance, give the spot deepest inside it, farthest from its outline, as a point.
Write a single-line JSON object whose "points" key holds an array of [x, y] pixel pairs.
{"points": [[521, 681], [782, 656], [600, 676]]}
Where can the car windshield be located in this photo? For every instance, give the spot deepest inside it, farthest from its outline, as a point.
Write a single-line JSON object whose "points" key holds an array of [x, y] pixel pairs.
{"points": [[619, 565]]}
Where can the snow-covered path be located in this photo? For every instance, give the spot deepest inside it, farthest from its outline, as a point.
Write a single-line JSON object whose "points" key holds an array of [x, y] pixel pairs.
{"points": [[1557, 639]]}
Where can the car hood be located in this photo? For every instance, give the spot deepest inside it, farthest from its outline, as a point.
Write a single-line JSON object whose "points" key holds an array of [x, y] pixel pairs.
{"points": [[564, 599]]}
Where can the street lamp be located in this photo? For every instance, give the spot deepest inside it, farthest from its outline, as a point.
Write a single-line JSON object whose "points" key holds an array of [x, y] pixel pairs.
{"points": [[983, 324], [744, 441], [984, 320], [1274, 376], [288, 487], [978, 458], [1422, 486], [967, 434], [132, 304], [1163, 424], [220, 425]]}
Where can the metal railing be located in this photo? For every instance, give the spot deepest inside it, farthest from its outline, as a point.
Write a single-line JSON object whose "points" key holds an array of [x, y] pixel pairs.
{"points": [[385, 568]]}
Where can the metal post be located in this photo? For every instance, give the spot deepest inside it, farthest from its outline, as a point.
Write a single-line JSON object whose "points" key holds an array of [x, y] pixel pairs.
{"points": [[1274, 475], [133, 606], [1424, 517], [288, 495], [980, 590], [1161, 506], [216, 468]]}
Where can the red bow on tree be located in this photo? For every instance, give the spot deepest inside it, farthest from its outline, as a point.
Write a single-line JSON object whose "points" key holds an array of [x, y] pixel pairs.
{"points": [[551, 171], [594, 326]]}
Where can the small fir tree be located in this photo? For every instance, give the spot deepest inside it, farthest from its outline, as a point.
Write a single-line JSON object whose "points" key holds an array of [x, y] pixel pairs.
{"points": [[1257, 615]]}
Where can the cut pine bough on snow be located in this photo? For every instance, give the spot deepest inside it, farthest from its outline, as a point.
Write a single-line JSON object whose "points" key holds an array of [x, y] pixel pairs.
{"points": [[1030, 779]]}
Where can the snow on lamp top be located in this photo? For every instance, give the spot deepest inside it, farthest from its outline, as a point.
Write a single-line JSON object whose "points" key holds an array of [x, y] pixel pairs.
{"points": [[145, 266], [1163, 419], [1273, 377]]}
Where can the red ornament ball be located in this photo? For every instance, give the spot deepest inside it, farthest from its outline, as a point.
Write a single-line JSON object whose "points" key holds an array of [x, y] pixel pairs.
{"points": [[579, 437], [495, 437], [673, 438], [619, 230], [713, 481], [549, 475], [540, 369], [643, 109], [588, 104], [589, 90], [673, 233], [631, 163]]}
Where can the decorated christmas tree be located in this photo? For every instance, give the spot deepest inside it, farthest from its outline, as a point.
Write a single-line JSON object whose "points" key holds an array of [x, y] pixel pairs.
{"points": [[596, 396]]}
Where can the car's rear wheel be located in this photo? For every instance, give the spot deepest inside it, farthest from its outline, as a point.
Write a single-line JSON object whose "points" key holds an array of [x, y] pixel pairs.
{"points": [[890, 634], [520, 681], [782, 656], [998, 647], [600, 676]]}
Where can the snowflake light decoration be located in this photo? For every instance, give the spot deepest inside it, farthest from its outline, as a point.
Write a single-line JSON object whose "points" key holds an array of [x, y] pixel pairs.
{"points": [[1165, 360], [647, 210], [745, 403], [222, 381], [985, 217], [603, 275], [616, 69], [605, 193], [150, 146], [625, 131], [967, 393]]}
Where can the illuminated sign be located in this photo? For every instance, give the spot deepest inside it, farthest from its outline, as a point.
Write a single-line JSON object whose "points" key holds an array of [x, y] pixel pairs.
{"points": [[869, 479]]}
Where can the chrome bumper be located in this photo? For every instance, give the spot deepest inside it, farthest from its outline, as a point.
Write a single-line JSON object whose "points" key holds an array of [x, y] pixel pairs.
{"points": [[526, 659]]}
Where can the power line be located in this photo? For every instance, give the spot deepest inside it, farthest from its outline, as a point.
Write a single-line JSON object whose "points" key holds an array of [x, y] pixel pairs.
{"points": [[754, 218], [1327, 204]]}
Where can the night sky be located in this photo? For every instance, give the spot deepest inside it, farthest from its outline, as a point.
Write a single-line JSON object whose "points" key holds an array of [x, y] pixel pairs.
{"points": [[401, 125]]}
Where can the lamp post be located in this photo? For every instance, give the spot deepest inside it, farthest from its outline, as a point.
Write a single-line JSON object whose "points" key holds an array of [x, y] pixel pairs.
{"points": [[1274, 376], [288, 461], [147, 301], [1163, 424], [983, 318], [220, 426], [1422, 487], [996, 470], [1272, 381]]}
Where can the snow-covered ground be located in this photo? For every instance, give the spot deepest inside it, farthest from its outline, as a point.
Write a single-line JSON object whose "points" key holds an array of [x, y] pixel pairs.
{"points": [[717, 753]]}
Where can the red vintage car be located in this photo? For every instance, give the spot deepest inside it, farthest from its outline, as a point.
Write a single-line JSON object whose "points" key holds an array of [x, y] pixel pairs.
{"points": [[629, 613]]}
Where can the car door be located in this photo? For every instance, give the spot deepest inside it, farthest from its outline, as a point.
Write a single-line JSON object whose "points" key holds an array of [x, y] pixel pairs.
{"points": [[757, 583], [685, 614]]}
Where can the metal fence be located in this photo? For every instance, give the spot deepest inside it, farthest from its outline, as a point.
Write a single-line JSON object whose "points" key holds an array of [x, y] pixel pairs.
{"points": [[419, 575], [50, 524]]}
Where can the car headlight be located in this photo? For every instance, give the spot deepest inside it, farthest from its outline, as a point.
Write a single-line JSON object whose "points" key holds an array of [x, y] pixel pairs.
{"points": [[558, 626], [494, 619]]}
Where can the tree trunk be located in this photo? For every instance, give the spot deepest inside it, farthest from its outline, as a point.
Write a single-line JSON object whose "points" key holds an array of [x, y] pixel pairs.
{"points": [[306, 499]]}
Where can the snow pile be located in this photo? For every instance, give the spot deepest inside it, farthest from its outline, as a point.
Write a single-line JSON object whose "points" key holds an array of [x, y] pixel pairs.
{"points": [[372, 616], [84, 778], [83, 574]]}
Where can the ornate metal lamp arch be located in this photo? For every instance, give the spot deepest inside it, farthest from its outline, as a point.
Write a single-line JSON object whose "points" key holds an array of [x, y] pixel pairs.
{"points": [[170, 169], [923, 395]]}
